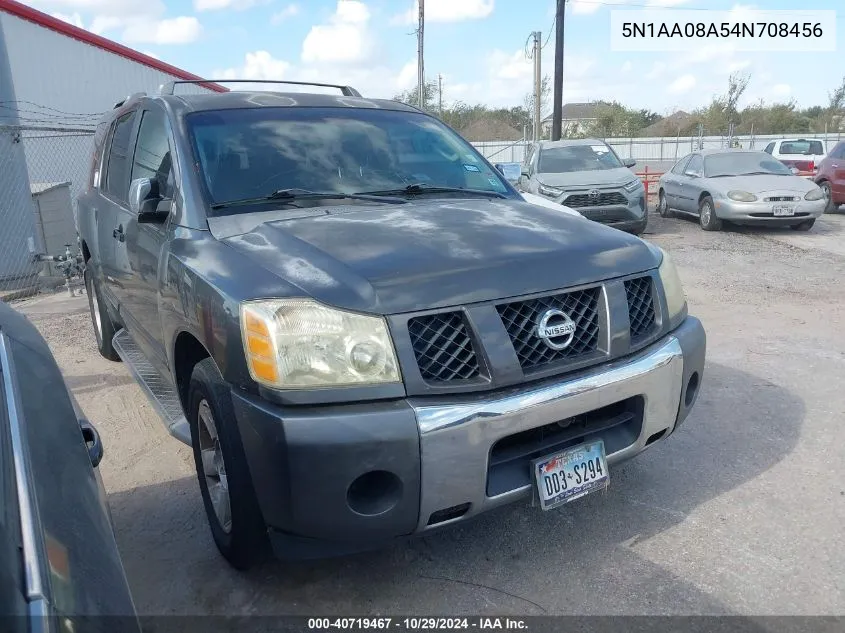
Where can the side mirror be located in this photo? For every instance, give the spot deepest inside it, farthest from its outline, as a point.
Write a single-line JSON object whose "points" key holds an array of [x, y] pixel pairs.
{"points": [[629, 162], [144, 201], [525, 171], [692, 174]]}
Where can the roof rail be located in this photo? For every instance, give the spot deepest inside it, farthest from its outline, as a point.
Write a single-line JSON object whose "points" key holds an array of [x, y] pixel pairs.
{"points": [[134, 95], [167, 88]]}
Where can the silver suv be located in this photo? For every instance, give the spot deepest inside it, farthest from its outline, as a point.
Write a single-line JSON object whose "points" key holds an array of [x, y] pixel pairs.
{"points": [[588, 176]]}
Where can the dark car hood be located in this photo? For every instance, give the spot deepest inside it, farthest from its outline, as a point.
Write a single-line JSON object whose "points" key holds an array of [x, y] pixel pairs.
{"points": [[390, 259]]}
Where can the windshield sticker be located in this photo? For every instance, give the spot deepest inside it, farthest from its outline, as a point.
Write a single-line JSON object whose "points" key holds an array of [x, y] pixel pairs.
{"points": [[599, 149], [496, 184], [472, 168]]}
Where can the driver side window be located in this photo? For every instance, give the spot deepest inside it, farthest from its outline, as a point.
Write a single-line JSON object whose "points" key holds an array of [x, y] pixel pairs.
{"points": [[680, 165], [695, 165], [152, 153]]}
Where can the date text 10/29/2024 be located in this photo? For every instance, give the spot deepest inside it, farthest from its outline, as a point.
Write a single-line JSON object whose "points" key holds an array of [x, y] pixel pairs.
{"points": [[417, 624]]}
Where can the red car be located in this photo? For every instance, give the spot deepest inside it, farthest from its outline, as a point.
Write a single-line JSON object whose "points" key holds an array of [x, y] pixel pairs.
{"points": [[831, 177]]}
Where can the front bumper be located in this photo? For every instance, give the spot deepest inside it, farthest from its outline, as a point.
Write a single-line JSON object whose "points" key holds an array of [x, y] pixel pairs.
{"points": [[761, 212], [338, 479], [627, 217]]}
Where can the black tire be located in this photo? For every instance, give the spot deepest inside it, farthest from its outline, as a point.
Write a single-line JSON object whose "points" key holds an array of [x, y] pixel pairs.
{"points": [[707, 217], [828, 194], [806, 225], [663, 206], [244, 543], [101, 321]]}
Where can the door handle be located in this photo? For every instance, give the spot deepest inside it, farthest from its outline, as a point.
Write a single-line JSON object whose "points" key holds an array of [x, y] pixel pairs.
{"points": [[118, 234]]}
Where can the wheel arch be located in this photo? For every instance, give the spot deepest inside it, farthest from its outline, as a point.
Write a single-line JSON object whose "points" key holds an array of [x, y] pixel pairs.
{"points": [[188, 350]]}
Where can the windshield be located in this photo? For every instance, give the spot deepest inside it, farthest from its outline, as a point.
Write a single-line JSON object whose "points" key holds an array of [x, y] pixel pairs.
{"points": [[742, 163], [251, 153], [802, 148], [559, 160]]}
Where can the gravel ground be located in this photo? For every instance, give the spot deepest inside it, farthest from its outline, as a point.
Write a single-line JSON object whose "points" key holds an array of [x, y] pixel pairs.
{"points": [[740, 512]]}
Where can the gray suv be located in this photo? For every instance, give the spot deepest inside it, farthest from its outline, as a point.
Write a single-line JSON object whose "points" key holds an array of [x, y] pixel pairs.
{"points": [[588, 176], [360, 327]]}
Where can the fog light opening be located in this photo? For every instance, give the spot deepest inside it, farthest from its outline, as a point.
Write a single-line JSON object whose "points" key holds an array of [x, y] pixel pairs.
{"points": [[374, 493], [692, 390], [448, 514]]}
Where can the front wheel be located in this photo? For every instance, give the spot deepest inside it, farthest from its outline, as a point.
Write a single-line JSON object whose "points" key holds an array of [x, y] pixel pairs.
{"points": [[229, 498], [830, 205], [100, 319], [663, 206], [707, 217]]}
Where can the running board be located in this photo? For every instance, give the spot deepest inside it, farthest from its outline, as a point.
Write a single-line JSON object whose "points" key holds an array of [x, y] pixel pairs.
{"points": [[161, 393]]}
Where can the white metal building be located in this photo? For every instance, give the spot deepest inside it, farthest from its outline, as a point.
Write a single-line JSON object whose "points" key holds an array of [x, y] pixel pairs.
{"points": [[56, 80]]}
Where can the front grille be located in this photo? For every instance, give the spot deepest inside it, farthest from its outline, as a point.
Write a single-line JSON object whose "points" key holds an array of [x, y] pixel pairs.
{"points": [[443, 347], [640, 307], [782, 199], [602, 200], [521, 319], [618, 425]]}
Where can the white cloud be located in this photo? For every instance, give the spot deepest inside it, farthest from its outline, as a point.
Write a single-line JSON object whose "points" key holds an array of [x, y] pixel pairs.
{"points": [[584, 7], [217, 5], [447, 11], [289, 11], [181, 30], [375, 81], [627, 67], [781, 90], [102, 23], [407, 77], [73, 18], [682, 84], [657, 71], [345, 39]]}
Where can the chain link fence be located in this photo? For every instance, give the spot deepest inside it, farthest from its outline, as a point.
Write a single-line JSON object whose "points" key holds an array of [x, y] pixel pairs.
{"points": [[43, 168], [658, 153]]}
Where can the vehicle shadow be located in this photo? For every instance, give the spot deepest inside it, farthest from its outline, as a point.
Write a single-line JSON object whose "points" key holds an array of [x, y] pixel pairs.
{"points": [[90, 383], [591, 557]]}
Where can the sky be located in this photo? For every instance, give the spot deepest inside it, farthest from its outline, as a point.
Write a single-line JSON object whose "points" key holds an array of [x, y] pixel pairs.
{"points": [[477, 46]]}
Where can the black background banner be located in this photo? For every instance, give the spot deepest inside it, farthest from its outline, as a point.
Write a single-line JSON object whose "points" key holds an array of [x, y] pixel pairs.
{"points": [[409, 624]]}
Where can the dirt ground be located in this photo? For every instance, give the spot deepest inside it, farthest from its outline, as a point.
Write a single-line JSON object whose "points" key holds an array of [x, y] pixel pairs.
{"points": [[741, 512]]}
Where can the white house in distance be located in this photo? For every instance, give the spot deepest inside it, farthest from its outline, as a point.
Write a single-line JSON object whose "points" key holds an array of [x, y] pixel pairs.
{"points": [[56, 81]]}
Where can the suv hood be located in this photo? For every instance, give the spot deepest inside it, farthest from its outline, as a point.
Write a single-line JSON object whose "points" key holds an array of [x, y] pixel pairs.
{"points": [[390, 259], [592, 178]]}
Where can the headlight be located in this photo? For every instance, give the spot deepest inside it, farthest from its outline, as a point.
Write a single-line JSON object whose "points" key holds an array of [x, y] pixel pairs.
{"points": [[742, 196], [632, 186], [299, 343], [676, 302], [815, 194], [552, 192]]}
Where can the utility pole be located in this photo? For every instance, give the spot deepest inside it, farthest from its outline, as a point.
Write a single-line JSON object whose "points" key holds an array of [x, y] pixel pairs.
{"points": [[538, 83], [557, 114], [440, 94], [420, 63]]}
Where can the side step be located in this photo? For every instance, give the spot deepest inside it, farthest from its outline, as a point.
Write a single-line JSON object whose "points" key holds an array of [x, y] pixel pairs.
{"points": [[161, 393]]}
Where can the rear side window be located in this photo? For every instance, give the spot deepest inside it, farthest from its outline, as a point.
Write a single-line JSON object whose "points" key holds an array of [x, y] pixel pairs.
{"points": [[802, 148], [117, 174], [152, 152], [770, 148]]}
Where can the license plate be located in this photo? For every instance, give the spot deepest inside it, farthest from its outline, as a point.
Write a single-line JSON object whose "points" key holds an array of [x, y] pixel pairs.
{"points": [[782, 210], [570, 474]]}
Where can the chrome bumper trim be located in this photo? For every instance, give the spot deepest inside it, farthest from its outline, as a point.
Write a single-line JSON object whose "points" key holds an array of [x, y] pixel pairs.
{"points": [[455, 439]]}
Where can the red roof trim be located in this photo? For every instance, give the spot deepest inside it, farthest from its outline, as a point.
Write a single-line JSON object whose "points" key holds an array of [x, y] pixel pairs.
{"points": [[60, 26]]}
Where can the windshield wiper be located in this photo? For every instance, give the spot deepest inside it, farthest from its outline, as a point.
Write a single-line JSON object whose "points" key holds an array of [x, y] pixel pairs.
{"points": [[762, 173], [417, 189], [290, 195]]}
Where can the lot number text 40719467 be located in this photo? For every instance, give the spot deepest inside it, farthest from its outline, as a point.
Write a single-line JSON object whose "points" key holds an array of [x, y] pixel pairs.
{"points": [[418, 623]]}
